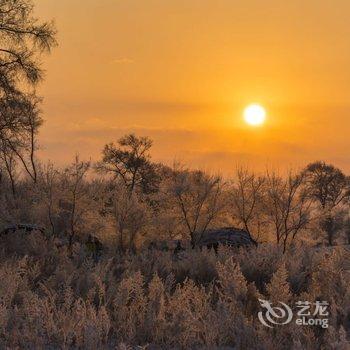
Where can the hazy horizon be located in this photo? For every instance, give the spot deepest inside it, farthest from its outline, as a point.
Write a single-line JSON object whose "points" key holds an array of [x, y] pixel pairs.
{"points": [[182, 73]]}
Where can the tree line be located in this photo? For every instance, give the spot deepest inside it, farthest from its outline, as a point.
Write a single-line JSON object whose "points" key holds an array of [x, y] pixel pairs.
{"points": [[139, 199]]}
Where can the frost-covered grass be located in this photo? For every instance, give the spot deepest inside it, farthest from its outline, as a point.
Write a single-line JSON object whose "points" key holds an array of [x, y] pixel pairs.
{"points": [[52, 299]]}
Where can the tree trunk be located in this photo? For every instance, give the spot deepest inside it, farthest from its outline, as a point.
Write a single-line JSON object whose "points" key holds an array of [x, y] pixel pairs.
{"points": [[329, 228], [121, 240], [330, 238], [285, 243]]}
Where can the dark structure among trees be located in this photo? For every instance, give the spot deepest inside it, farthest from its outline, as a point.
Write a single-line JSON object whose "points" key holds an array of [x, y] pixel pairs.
{"points": [[229, 236], [27, 228]]}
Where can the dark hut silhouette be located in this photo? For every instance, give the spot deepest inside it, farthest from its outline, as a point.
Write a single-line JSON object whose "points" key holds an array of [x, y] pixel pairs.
{"points": [[229, 236], [27, 228]]}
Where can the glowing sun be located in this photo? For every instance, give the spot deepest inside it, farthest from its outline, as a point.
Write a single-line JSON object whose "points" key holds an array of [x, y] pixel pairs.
{"points": [[254, 114]]}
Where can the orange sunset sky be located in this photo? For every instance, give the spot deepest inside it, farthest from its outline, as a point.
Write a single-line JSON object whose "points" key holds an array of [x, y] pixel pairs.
{"points": [[182, 71]]}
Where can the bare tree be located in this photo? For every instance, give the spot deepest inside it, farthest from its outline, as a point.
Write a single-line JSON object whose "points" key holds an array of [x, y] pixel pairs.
{"points": [[77, 194], [49, 186], [246, 199], [9, 160], [22, 140], [131, 163], [287, 206], [328, 187], [197, 200]]}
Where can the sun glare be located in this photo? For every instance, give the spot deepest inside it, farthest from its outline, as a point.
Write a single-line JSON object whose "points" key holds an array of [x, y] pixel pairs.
{"points": [[254, 115]]}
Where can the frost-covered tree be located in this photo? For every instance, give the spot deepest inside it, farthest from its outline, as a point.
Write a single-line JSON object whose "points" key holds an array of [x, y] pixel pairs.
{"points": [[130, 215], [286, 206], [197, 200], [329, 187], [245, 197], [76, 197]]}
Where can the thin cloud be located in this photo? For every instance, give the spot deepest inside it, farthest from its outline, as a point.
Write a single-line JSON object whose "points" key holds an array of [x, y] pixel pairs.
{"points": [[123, 60]]}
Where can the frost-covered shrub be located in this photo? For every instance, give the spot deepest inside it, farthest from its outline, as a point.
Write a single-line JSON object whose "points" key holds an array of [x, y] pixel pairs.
{"points": [[196, 299]]}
